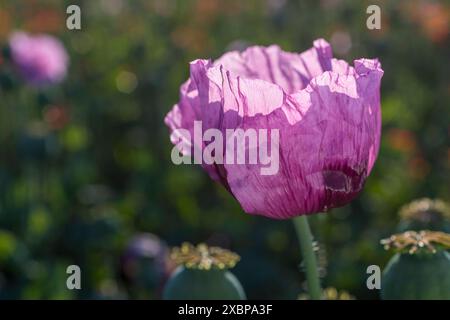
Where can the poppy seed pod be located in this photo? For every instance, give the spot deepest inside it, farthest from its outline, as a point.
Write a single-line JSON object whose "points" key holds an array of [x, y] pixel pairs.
{"points": [[203, 275], [425, 214], [317, 116], [421, 268]]}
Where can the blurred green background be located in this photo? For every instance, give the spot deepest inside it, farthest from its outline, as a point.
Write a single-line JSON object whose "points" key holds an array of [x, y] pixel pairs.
{"points": [[85, 165]]}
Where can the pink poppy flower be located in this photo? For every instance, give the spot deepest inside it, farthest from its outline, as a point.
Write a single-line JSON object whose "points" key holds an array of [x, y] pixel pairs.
{"points": [[326, 112], [41, 59]]}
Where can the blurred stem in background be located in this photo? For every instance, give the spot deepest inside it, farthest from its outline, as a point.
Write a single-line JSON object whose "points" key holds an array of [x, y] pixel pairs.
{"points": [[305, 239]]}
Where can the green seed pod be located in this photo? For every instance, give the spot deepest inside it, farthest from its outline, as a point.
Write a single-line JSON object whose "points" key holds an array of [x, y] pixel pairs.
{"points": [[195, 284], [420, 270], [203, 275], [425, 214]]}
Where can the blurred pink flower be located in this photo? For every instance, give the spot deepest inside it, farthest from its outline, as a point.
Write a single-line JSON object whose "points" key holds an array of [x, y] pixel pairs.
{"points": [[41, 59], [146, 263], [327, 113]]}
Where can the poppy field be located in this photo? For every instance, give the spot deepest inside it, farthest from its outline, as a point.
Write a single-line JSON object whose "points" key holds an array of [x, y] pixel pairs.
{"points": [[208, 149]]}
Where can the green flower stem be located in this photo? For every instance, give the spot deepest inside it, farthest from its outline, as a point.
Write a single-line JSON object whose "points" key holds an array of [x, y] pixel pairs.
{"points": [[305, 239]]}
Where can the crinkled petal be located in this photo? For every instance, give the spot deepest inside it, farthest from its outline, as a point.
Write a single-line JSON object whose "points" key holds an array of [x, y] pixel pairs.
{"points": [[329, 138], [327, 114], [325, 157], [291, 71]]}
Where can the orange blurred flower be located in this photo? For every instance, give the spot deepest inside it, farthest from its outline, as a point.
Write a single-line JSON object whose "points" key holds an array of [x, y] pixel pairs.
{"points": [[206, 10], [418, 168], [432, 17], [45, 21], [5, 24], [56, 117], [190, 38], [401, 140]]}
